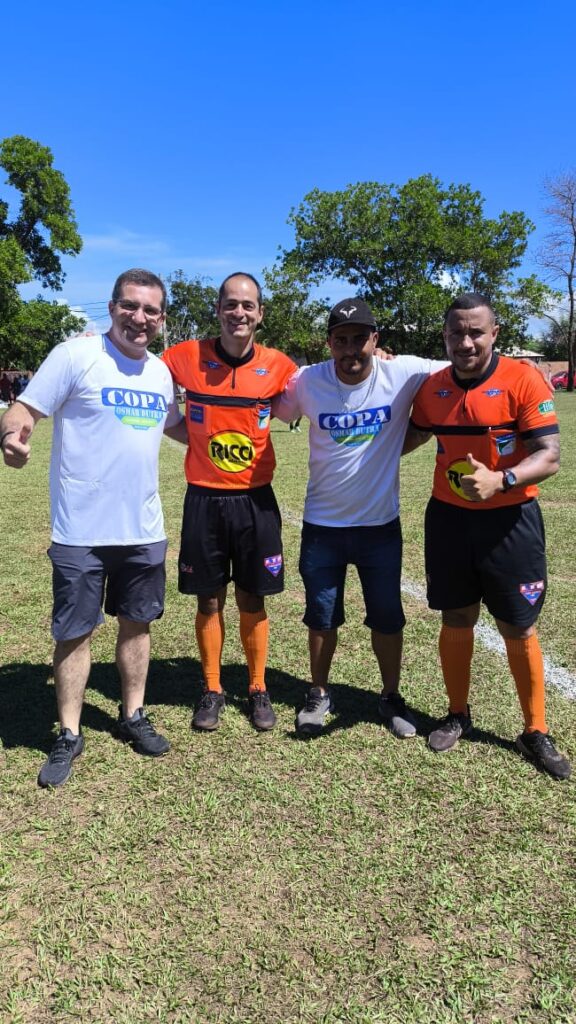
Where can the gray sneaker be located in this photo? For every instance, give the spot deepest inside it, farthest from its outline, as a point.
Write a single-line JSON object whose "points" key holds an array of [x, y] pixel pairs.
{"points": [[396, 716], [310, 720], [58, 768], [449, 731]]}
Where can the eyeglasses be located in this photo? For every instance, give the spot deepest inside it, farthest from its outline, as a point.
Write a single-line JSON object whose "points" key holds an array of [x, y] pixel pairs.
{"points": [[150, 312]]}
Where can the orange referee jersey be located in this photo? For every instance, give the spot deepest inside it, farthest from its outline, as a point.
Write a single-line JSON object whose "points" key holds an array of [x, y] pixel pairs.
{"points": [[228, 411], [491, 417]]}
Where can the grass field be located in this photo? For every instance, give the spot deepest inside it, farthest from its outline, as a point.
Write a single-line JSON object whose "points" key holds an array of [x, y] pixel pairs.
{"points": [[353, 879]]}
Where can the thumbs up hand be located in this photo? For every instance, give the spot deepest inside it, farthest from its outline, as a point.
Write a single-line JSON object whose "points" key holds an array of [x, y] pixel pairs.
{"points": [[480, 483]]}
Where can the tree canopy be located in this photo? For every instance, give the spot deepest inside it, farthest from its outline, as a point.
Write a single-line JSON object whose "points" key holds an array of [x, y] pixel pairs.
{"points": [[191, 308], [557, 256], [293, 322], [409, 249], [31, 244]]}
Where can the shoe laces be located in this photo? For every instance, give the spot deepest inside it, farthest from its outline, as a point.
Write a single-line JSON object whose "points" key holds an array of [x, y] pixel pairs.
{"points": [[144, 726], [543, 741], [61, 750], [455, 718], [208, 699], [314, 699], [260, 698]]}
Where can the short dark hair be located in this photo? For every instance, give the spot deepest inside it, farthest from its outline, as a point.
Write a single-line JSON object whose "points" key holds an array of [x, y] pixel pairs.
{"points": [[240, 273], [469, 300], [142, 277]]}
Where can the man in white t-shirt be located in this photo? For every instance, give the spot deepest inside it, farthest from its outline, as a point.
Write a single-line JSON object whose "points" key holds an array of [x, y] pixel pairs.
{"points": [[111, 400], [359, 408]]}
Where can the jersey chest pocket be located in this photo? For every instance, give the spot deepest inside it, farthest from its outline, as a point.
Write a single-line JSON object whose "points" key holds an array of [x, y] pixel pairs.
{"points": [[504, 444], [263, 416]]}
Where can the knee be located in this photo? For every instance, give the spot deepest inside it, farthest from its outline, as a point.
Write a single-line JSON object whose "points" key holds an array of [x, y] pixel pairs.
{"points": [[211, 604], [127, 628], [510, 632], [461, 618], [251, 603]]}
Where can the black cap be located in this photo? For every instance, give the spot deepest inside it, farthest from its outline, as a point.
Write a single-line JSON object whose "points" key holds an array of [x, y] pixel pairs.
{"points": [[351, 311]]}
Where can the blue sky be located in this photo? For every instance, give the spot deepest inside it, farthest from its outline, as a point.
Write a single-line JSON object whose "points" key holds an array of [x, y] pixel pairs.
{"points": [[187, 132]]}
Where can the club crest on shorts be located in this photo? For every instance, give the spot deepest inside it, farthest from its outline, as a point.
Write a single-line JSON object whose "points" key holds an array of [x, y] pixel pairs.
{"points": [[273, 563], [532, 591]]}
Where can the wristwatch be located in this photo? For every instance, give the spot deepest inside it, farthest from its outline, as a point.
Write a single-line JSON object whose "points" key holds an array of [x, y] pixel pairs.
{"points": [[508, 480]]}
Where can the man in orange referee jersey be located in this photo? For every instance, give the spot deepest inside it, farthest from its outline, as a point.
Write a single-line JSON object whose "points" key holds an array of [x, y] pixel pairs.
{"points": [[231, 523], [497, 437]]}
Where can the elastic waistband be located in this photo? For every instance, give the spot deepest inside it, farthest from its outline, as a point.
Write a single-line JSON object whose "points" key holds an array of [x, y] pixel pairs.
{"points": [[227, 492]]}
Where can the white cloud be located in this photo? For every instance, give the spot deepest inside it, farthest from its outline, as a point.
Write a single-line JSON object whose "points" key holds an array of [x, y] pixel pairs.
{"points": [[123, 241]]}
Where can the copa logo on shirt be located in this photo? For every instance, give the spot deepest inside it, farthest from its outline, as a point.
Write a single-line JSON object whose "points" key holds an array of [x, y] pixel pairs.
{"points": [[231, 451], [138, 409], [355, 427]]}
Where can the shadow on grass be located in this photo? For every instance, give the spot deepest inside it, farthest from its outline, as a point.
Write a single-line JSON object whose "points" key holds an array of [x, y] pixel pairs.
{"points": [[29, 702]]}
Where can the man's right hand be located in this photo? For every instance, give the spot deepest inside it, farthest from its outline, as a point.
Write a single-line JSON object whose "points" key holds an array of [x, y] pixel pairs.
{"points": [[15, 447]]}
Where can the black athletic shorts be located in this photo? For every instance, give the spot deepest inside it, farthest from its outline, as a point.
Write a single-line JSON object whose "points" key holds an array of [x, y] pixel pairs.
{"points": [[231, 536], [492, 555]]}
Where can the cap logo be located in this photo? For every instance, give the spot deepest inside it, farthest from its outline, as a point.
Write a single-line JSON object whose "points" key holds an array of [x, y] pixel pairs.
{"points": [[348, 312]]}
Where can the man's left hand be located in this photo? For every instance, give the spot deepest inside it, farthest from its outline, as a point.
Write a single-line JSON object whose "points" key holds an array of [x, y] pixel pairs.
{"points": [[481, 483]]}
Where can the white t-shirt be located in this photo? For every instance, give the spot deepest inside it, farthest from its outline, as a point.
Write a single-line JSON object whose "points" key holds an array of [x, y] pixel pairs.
{"points": [[356, 437], [109, 415]]}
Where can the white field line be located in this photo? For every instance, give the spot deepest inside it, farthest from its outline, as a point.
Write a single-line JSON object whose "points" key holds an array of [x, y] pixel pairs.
{"points": [[556, 676]]}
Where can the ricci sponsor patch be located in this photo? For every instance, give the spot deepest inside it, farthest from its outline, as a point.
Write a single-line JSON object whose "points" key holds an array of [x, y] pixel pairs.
{"points": [[231, 451]]}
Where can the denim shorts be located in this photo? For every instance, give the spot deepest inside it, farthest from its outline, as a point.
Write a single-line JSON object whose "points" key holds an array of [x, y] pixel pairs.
{"points": [[128, 580], [376, 551]]}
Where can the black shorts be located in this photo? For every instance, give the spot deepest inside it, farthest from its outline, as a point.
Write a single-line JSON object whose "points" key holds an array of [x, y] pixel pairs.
{"points": [[493, 555], [129, 580], [231, 536]]}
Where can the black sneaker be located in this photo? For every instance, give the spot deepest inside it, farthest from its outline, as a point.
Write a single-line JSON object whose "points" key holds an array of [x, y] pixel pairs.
{"points": [[539, 748], [207, 711], [139, 731], [449, 731], [261, 711], [58, 768]]}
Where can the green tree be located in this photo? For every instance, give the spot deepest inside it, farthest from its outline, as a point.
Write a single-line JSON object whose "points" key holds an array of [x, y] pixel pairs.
{"points": [[34, 329], [409, 249], [557, 256], [31, 244], [191, 308], [554, 341], [293, 322]]}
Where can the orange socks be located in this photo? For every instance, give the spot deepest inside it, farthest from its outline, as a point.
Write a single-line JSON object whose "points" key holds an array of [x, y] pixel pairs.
{"points": [[210, 637], [527, 667], [456, 647], [254, 628]]}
